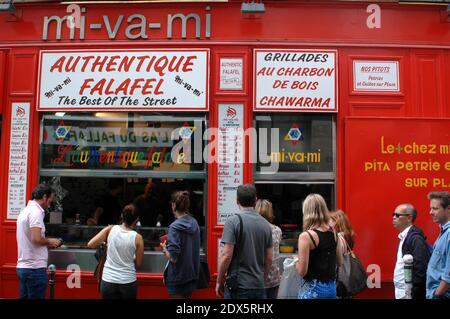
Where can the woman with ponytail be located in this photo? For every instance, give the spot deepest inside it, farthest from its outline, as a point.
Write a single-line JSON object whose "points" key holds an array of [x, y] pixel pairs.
{"points": [[182, 249], [125, 252]]}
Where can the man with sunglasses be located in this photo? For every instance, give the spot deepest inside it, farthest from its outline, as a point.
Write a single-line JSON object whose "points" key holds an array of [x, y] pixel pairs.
{"points": [[438, 272], [412, 242]]}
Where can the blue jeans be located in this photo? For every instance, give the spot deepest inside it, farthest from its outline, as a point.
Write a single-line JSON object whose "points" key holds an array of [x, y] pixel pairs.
{"points": [[33, 283], [244, 294], [316, 289]]}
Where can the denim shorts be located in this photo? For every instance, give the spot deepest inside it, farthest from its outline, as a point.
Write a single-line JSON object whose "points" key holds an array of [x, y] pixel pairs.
{"points": [[316, 289]]}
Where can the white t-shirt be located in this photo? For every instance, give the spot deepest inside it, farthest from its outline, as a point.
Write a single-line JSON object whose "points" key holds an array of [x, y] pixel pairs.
{"points": [[119, 266], [31, 255], [399, 273]]}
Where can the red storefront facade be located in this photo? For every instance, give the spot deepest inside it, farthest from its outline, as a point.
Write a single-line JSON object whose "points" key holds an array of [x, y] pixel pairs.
{"points": [[390, 133]]}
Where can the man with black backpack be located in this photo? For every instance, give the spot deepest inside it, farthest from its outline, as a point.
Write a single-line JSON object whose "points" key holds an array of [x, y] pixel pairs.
{"points": [[247, 253], [412, 242]]}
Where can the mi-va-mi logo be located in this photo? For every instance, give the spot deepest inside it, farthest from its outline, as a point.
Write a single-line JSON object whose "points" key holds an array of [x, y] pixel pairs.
{"points": [[138, 26]]}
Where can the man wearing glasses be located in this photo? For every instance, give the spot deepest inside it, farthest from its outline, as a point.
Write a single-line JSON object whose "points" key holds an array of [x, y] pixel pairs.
{"points": [[412, 242], [438, 272]]}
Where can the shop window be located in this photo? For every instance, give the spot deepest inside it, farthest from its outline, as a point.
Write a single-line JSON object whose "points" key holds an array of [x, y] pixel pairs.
{"points": [[108, 160], [303, 162], [305, 143]]}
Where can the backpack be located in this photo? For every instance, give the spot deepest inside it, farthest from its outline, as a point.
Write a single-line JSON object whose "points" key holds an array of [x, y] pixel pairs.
{"points": [[429, 246]]}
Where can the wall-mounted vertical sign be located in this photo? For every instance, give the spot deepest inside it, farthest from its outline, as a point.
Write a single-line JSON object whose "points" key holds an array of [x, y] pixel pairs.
{"points": [[295, 80], [18, 158], [230, 159], [376, 76], [231, 73]]}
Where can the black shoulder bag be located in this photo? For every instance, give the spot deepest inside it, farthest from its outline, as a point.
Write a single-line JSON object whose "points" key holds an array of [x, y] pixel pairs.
{"points": [[232, 281]]}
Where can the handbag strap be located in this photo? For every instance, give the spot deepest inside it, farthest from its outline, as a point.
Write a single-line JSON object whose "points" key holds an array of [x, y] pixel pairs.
{"points": [[347, 246]]}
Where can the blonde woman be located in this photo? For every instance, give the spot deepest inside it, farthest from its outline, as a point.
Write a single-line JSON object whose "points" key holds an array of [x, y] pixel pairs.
{"points": [[271, 284], [318, 251], [342, 226]]}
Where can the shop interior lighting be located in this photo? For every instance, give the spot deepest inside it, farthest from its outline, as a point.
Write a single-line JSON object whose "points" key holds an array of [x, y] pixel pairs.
{"points": [[60, 114], [253, 7], [7, 5]]}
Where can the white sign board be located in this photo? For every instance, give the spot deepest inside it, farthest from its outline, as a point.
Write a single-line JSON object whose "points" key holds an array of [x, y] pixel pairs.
{"points": [[231, 71], [18, 159], [295, 80], [376, 76], [123, 80], [230, 159]]}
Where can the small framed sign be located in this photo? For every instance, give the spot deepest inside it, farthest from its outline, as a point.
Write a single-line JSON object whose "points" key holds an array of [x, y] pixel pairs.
{"points": [[231, 74]]}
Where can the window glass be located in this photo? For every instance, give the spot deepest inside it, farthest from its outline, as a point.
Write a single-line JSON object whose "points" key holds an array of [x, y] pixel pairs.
{"points": [[305, 142], [121, 141], [100, 162]]}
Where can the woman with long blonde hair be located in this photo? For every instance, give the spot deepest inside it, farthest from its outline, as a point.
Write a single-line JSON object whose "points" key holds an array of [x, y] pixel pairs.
{"points": [[318, 251]]}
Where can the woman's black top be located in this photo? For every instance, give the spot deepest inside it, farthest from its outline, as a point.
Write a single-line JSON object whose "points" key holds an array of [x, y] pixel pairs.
{"points": [[322, 259]]}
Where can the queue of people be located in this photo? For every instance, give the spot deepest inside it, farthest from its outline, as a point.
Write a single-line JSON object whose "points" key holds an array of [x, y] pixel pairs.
{"points": [[248, 265]]}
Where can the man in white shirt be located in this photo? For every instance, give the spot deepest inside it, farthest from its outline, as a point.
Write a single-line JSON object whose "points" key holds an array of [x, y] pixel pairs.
{"points": [[32, 245], [412, 242]]}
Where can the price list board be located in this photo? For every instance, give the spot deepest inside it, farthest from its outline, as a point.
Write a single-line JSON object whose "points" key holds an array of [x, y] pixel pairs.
{"points": [[230, 159], [18, 158]]}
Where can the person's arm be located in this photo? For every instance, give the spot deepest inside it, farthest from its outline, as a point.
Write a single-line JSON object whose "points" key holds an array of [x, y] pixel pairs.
{"points": [[98, 212], [36, 238], [139, 251], [268, 258], [224, 264], [340, 249], [172, 248], [444, 285], [100, 238], [304, 246]]}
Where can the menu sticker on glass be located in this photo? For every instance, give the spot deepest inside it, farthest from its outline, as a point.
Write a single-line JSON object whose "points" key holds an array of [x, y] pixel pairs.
{"points": [[231, 71], [18, 158], [230, 159], [376, 76], [122, 80]]}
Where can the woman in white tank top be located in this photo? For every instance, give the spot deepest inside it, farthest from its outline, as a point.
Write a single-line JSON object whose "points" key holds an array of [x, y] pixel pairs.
{"points": [[125, 252]]}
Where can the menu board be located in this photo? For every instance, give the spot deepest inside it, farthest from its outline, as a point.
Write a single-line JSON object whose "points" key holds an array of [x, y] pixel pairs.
{"points": [[18, 158], [230, 159]]}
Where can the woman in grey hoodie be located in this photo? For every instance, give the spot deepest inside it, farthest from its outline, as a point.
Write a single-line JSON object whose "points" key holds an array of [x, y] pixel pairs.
{"points": [[182, 249]]}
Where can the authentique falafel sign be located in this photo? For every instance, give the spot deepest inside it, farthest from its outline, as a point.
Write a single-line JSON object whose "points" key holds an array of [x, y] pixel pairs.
{"points": [[123, 80]]}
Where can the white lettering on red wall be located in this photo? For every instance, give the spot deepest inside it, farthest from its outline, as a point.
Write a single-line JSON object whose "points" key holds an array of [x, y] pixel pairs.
{"points": [[376, 76], [231, 159], [294, 80], [124, 80], [18, 158]]}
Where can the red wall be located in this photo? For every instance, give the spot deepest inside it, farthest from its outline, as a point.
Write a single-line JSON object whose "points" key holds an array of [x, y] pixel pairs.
{"points": [[423, 52]]}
